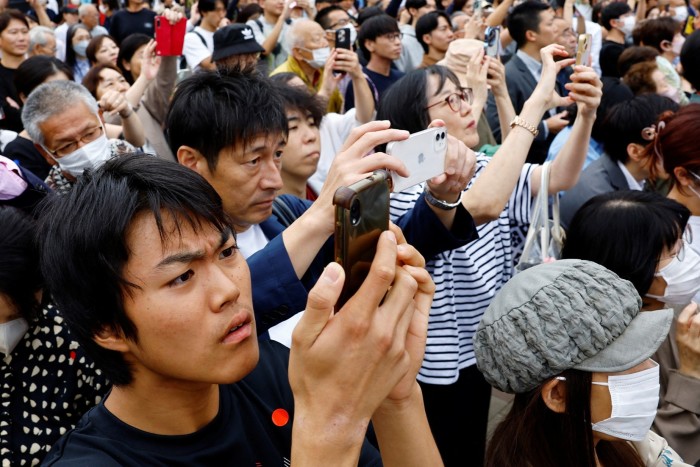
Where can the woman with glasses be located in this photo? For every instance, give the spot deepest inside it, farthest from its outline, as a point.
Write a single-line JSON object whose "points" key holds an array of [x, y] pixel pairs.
{"points": [[499, 199], [644, 238]]}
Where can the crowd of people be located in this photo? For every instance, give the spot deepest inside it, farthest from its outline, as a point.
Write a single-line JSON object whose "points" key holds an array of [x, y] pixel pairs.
{"points": [[168, 281]]}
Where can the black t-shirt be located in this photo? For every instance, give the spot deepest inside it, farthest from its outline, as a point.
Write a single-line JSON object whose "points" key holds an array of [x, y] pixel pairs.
{"points": [[22, 151], [380, 83], [242, 433], [124, 23], [13, 116], [609, 54]]}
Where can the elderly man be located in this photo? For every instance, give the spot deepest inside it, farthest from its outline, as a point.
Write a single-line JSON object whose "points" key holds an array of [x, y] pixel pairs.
{"points": [[309, 52], [65, 124], [90, 17], [42, 41]]}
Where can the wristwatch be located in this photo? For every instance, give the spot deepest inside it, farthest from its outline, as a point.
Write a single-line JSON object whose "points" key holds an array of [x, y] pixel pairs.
{"points": [[517, 121], [438, 203]]}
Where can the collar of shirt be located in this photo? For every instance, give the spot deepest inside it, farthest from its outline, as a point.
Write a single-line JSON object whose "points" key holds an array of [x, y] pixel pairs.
{"points": [[631, 181], [533, 65]]}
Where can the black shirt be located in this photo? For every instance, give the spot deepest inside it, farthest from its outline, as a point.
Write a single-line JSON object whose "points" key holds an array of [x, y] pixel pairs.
{"points": [[124, 23], [13, 116], [22, 151], [609, 54]]}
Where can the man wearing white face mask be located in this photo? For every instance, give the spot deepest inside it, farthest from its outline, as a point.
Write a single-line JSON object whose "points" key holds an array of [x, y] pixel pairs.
{"points": [[618, 19], [63, 121], [309, 52]]}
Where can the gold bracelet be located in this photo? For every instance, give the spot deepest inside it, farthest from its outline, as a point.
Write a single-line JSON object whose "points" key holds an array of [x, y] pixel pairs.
{"points": [[522, 123]]}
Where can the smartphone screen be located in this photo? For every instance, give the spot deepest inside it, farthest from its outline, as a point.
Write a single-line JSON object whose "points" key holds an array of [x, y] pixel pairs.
{"points": [[361, 215]]}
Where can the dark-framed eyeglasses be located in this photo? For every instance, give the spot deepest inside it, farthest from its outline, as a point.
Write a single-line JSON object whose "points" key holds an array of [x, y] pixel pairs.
{"points": [[392, 36], [455, 99]]}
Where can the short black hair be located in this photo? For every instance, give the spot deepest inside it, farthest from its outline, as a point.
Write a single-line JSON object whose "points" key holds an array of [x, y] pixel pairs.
{"points": [[525, 17], [213, 111], [33, 71], [322, 16], [84, 248], [374, 27], [653, 32], [429, 23], [601, 230], [10, 14], [20, 276], [204, 6], [624, 122], [301, 99], [690, 59], [613, 11], [633, 55], [127, 48]]}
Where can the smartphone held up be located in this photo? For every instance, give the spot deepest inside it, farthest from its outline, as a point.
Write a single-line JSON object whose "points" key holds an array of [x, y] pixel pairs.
{"points": [[170, 38], [423, 153], [583, 50]]}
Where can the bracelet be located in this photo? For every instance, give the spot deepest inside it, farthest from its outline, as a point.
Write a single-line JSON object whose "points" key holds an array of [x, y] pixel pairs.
{"points": [[438, 203], [522, 123]]}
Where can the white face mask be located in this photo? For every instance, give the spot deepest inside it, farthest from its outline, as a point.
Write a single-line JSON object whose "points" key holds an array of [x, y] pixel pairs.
{"points": [[90, 156], [682, 278], [677, 44], [634, 401], [320, 57], [80, 48], [627, 25], [11, 333], [353, 33], [680, 13]]}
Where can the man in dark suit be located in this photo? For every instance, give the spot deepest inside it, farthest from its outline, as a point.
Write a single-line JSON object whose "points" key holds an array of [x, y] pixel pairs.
{"points": [[531, 25], [627, 128]]}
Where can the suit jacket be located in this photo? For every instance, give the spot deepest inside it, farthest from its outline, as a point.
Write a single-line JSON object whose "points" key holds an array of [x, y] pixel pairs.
{"points": [[601, 176], [520, 84]]}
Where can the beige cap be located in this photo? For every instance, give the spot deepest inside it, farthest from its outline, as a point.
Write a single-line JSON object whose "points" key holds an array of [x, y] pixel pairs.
{"points": [[458, 54]]}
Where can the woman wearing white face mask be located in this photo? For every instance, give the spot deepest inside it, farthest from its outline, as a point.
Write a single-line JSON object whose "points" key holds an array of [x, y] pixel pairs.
{"points": [[643, 237], [77, 40], [47, 380], [577, 358]]}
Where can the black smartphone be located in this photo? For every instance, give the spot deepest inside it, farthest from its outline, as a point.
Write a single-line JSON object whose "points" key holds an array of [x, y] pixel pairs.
{"points": [[342, 38], [361, 215]]}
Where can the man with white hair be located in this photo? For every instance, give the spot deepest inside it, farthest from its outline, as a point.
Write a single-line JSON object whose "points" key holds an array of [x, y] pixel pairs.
{"points": [[90, 17], [42, 41]]}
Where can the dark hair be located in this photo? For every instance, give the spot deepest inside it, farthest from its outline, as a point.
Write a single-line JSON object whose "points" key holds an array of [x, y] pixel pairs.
{"points": [[92, 78], [625, 121], [674, 144], [653, 32], [128, 47], [596, 10], [20, 277], [613, 11], [10, 14], [626, 231], [639, 78], [369, 12], [248, 11], [533, 435], [204, 6], [427, 24], [212, 111], [418, 4], [525, 17], [94, 46], [633, 55], [70, 53], [373, 28], [301, 99], [404, 103], [85, 266], [322, 16], [690, 59], [33, 71]]}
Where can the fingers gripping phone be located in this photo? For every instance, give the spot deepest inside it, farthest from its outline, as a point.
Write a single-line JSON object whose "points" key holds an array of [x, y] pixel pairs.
{"points": [[583, 49], [361, 215], [423, 153]]}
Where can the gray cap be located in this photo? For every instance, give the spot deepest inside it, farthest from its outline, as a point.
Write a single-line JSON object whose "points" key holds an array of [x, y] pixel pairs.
{"points": [[562, 315]]}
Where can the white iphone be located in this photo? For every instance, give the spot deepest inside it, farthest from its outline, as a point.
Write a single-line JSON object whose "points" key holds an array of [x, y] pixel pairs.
{"points": [[423, 153]]}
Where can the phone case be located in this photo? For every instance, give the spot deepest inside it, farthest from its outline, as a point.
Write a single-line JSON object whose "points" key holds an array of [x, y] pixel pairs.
{"points": [[342, 38], [169, 38], [424, 155], [583, 50], [492, 41], [361, 215]]}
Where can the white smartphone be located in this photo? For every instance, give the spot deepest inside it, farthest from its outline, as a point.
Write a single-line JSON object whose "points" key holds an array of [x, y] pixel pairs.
{"points": [[424, 155]]}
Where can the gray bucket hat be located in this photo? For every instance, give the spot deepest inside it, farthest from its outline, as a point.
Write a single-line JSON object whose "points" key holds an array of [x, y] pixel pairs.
{"points": [[561, 315]]}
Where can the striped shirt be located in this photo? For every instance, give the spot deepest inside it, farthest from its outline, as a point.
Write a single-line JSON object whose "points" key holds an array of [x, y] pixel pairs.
{"points": [[466, 280]]}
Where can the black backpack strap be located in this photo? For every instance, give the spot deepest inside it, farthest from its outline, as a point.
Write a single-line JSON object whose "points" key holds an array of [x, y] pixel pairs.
{"points": [[283, 212]]}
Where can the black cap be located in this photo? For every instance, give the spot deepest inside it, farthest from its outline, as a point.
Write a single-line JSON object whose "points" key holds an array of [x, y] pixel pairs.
{"points": [[234, 39], [69, 9]]}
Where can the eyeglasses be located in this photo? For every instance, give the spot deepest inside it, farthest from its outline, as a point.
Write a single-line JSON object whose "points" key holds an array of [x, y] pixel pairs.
{"points": [[679, 250], [392, 36], [340, 23], [88, 137], [455, 99]]}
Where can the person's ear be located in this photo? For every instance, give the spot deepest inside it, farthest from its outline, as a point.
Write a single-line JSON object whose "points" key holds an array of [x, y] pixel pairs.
{"points": [[47, 157], [370, 45], [635, 152], [126, 65], [192, 159], [111, 339], [666, 46], [427, 38], [530, 35], [683, 177], [553, 395]]}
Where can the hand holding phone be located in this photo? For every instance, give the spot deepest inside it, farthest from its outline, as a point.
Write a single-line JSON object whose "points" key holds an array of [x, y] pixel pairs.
{"points": [[361, 215], [583, 50], [170, 38], [423, 153]]}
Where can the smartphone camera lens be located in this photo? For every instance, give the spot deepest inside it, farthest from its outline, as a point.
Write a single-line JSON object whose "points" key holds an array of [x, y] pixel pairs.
{"points": [[437, 136], [355, 212], [442, 135]]}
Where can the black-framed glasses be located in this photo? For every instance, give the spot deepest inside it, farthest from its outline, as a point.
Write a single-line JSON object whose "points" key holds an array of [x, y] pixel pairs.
{"points": [[455, 99], [392, 36], [88, 137], [340, 23]]}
